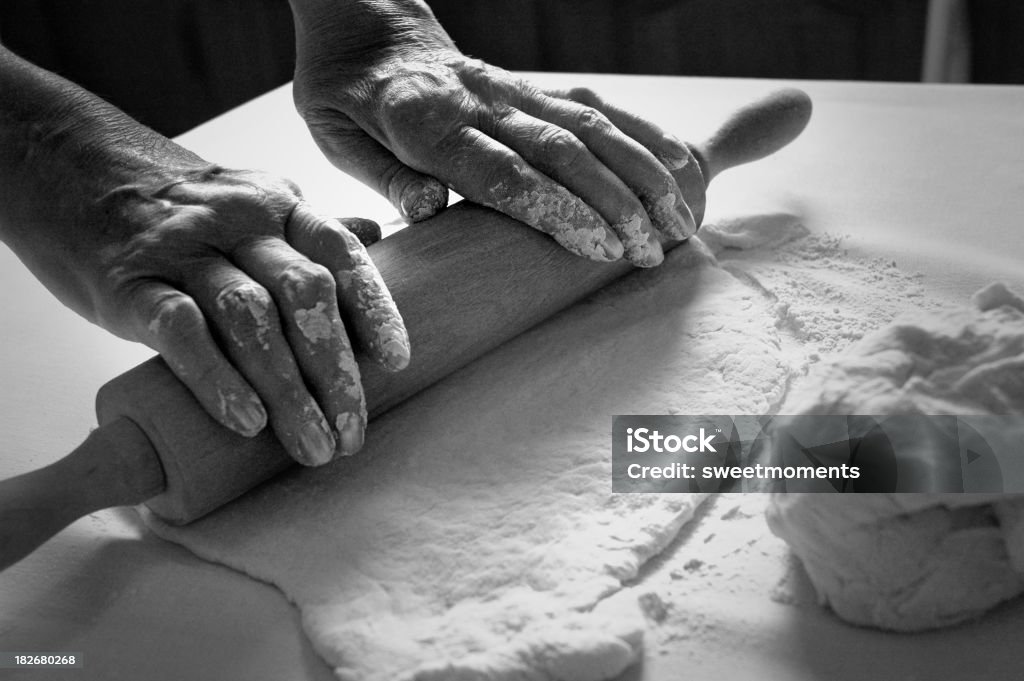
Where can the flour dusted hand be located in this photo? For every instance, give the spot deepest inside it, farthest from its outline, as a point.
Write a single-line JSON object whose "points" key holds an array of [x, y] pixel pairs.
{"points": [[390, 99], [226, 273]]}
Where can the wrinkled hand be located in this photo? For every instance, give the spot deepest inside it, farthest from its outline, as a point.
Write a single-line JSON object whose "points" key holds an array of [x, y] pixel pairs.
{"points": [[250, 297], [390, 100], [242, 289]]}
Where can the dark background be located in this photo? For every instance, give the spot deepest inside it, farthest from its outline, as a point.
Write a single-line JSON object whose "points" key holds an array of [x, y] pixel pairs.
{"points": [[175, 63]]}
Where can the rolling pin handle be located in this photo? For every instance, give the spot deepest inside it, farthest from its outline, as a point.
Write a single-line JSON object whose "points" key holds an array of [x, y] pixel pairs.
{"points": [[114, 466], [754, 131]]}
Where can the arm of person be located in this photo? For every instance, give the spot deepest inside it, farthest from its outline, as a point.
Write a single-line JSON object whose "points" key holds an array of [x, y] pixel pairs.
{"points": [[249, 296], [390, 99]]}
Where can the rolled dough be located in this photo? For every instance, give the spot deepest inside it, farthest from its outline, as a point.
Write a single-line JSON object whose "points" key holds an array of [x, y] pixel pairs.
{"points": [[475, 536], [917, 561]]}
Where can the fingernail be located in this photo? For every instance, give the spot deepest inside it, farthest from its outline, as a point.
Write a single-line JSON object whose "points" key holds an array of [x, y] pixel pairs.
{"points": [[685, 219], [647, 253], [367, 231], [350, 431], [674, 154], [394, 345], [316, 443], [248, 414], [640, 247], [674, 223], [421, 200], [611, 248]]}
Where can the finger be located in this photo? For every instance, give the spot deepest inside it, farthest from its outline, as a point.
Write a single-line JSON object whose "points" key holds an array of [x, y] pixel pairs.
{"points": [[561, 156], [630, 160], [245, 321], [416, 196], [304, 294], [173, 325], [665, 147], [367, 231], [491, 174], [366, 303]]}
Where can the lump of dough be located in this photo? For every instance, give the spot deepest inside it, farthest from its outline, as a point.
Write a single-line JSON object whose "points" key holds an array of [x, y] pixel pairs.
{"points": [[910, 562]]}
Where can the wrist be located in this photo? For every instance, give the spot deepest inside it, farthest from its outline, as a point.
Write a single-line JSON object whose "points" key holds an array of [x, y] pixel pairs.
{"points": [[61, 145], [356, 34], [65, 156]]}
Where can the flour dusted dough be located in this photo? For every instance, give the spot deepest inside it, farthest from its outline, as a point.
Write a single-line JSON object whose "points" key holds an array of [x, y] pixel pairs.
{"points": [[475, 536], [917, 561]]}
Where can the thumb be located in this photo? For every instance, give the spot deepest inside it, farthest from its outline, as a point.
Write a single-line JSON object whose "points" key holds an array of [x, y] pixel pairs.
{"points": [[367, 231], [416, 196]]}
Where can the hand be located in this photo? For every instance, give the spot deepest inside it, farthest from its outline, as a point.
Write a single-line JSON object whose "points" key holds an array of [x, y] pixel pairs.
{"points": [[249, 296], [242, 289], [390, 100]]}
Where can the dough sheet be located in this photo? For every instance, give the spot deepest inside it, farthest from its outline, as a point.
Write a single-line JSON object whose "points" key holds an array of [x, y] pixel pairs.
{"points": [[476, 536]]}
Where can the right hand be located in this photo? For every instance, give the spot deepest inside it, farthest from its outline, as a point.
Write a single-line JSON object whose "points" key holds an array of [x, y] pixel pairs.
{"points": [[240, 287], [389, 99], [249, 296], [243, 291]]}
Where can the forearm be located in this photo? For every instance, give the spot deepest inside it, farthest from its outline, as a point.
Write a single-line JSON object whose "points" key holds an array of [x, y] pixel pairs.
{"points": [[62, 150]]}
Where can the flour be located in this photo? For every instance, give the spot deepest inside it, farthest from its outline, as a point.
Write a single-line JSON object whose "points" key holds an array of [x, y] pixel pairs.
{"points": [[475, 535], [823, 298], [557, 212], [249, 298], [314, 323]]}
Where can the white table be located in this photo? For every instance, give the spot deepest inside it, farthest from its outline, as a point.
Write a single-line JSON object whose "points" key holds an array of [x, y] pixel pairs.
{"points": [[930, 176]]}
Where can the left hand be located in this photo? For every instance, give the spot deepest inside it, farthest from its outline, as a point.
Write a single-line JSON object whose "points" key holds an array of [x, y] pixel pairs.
{"points": [[389, 99]]}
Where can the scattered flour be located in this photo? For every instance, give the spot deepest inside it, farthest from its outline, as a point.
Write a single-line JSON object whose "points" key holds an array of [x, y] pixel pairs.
{"points": [[823, 298], [491, 548], [475, 536]]}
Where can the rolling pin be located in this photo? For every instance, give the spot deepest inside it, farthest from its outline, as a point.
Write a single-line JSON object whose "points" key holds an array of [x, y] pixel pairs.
{"points": [[465, 281]]}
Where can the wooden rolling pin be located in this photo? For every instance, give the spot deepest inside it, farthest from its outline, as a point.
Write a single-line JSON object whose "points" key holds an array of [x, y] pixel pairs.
{"points": [[465, 281]]}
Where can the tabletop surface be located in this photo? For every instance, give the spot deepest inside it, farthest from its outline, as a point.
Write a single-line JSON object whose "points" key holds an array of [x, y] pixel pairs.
{"points": [[930, 176]]}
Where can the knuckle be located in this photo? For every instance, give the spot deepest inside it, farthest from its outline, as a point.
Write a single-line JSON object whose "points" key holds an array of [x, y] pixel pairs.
{"points": [[172, 312], [475, 71], [345, 240], [390, 183], [226, 204], [458, 149], [305, 281], [561, 148], [504, 182], [243, 298], [404, 105], [174, 324], [591, 121], [290, 187], [491, 82], [331, 131], [425, 102], [246, 309], [417, 132]]}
